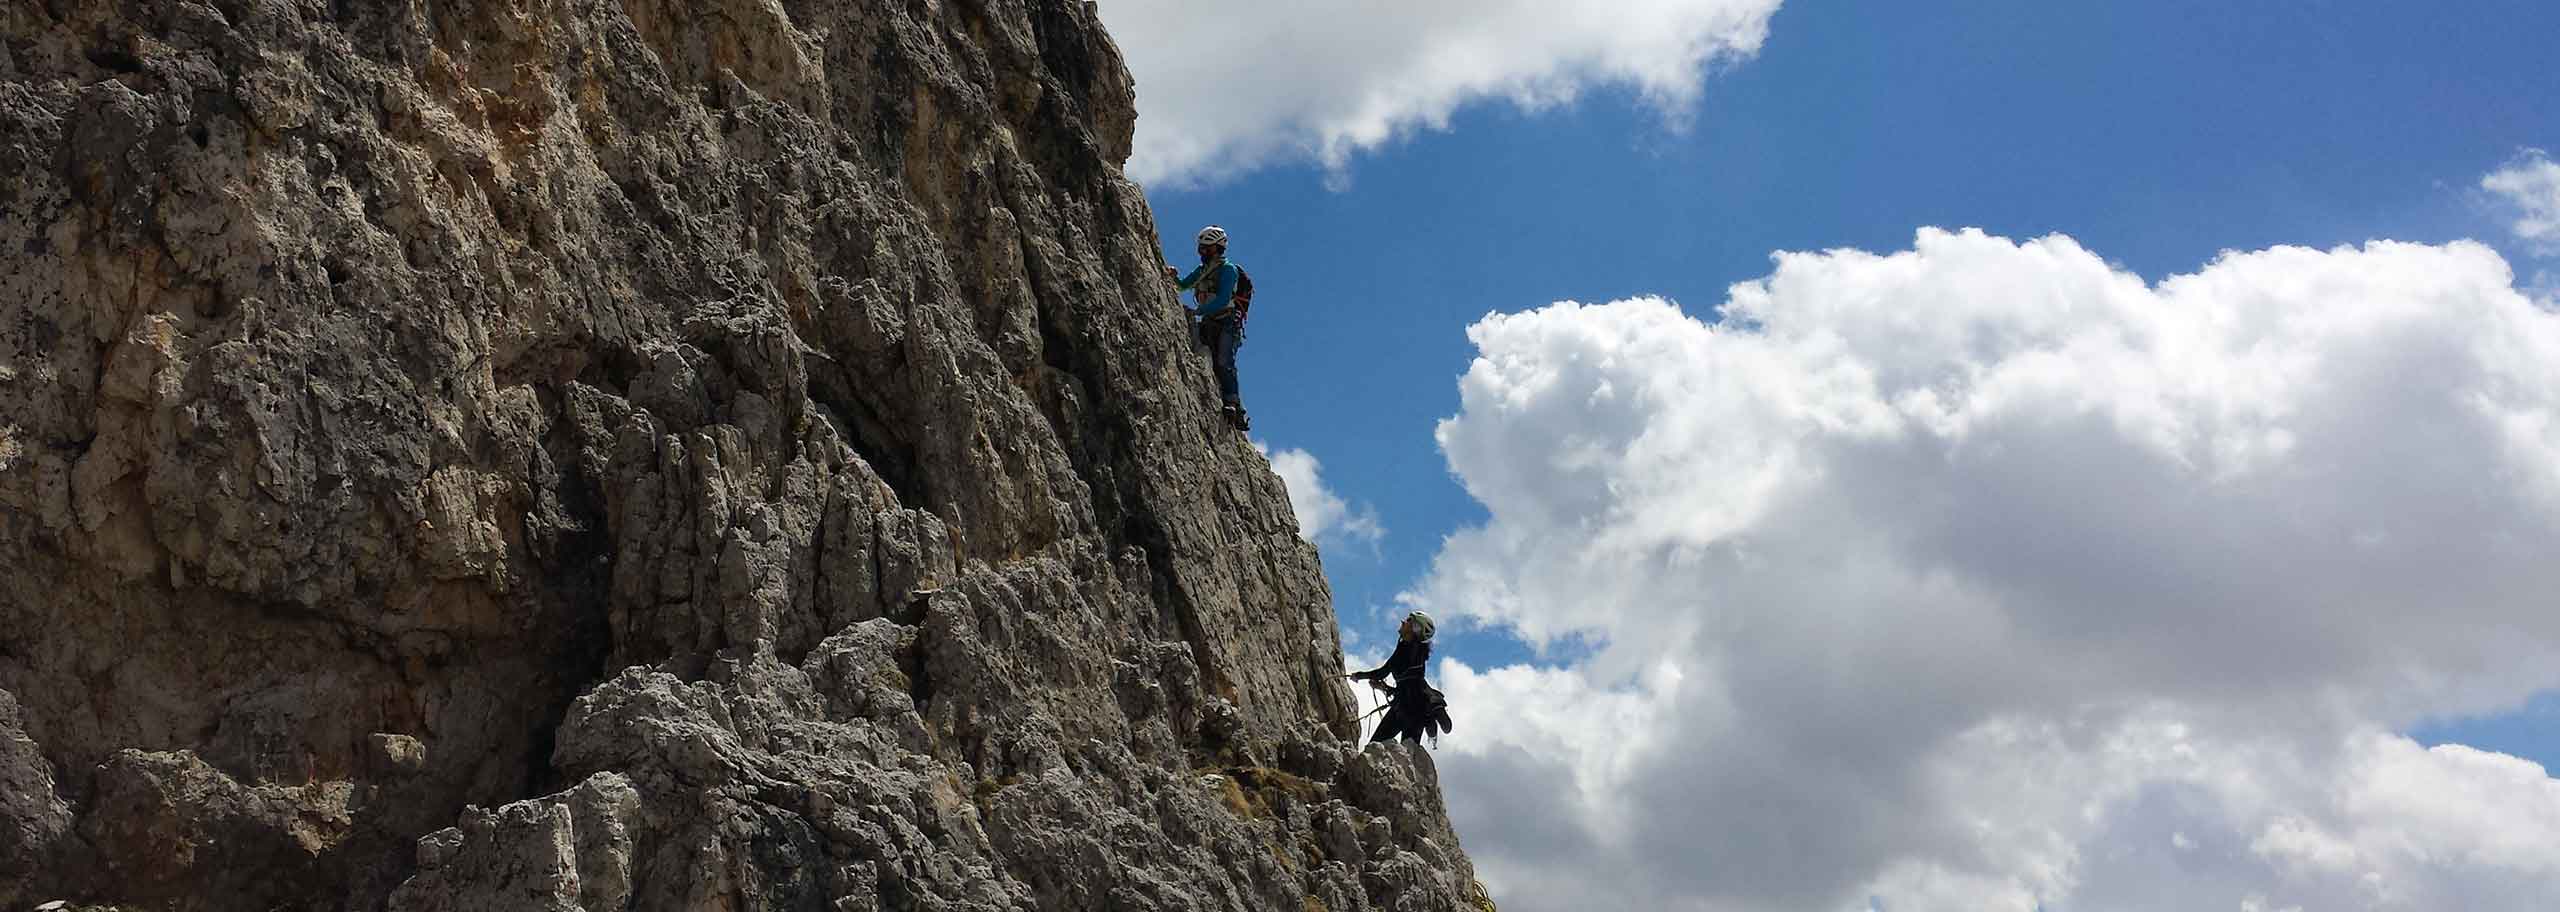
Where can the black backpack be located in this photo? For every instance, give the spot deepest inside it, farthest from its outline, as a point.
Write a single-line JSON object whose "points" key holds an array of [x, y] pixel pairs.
{"points": [[1243, 298]]}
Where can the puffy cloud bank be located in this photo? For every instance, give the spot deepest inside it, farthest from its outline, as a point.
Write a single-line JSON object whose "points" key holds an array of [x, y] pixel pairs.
{"points": [[1984, 575], [1226, 86]]}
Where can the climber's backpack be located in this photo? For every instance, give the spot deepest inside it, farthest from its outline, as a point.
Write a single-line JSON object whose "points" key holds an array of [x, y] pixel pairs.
{"points": [[1242, 301]]}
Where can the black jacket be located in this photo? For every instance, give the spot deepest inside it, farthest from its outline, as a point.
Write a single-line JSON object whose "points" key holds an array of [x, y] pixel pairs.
{"points": [[1406, 667]]}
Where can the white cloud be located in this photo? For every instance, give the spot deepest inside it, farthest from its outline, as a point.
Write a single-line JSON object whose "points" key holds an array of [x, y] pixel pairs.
{"points": [[1228, 86], [2531, 186], [1982, 575], [1322, 514]]}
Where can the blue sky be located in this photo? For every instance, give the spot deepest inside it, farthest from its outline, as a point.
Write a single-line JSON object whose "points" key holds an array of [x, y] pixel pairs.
{"points": [[2158, 136], [2152, 140]]}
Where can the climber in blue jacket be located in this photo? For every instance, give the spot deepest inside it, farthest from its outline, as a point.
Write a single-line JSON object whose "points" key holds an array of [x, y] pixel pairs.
{"points": [[1222, 294]]}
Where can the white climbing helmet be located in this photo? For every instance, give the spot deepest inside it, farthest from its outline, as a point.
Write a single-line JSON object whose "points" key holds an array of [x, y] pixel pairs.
{"points": [[1213, 236], [1422, 626]]}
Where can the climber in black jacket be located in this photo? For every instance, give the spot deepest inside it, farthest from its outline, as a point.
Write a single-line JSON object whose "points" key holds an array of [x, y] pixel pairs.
{"points": [[1414, 709]]}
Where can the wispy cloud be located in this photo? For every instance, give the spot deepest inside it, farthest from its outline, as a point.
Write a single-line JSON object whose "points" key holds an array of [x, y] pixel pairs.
{"points": [[2529, 187], [1322, 515]]}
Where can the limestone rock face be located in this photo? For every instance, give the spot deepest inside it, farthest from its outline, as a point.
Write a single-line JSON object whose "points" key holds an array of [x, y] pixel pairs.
{"points": [[33, 819], [637, 454]]}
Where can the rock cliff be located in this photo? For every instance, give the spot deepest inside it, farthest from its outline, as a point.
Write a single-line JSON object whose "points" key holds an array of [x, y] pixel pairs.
{"points": [[637, 454]]}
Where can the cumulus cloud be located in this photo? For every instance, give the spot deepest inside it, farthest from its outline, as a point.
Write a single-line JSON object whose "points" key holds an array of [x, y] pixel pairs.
{"points": [[1985, 575], [2530, 185], [1235, 85], [1322, 514]]}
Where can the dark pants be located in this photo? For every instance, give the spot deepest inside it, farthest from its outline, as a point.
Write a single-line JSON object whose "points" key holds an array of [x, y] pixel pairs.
{"points": [[1406, 718], [1223, 336]]}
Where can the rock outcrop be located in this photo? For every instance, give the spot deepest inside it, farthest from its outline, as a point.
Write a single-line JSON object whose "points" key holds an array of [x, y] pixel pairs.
{"points": [[637, 454]]}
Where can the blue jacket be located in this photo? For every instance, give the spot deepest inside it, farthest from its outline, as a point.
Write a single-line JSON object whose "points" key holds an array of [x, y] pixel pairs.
{"points": [[1213, 293]]}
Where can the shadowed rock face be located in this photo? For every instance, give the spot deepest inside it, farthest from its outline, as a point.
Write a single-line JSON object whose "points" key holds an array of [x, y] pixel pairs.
{"points": [[746, 444]]}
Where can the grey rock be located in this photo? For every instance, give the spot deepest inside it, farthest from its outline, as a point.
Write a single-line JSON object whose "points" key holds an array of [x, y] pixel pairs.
{"points": [[568, 851], [33, 819], [397, 755], [747, 445], [166, 829]]}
